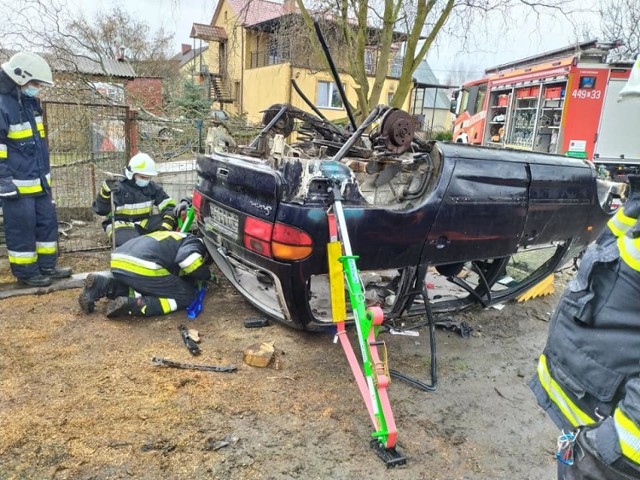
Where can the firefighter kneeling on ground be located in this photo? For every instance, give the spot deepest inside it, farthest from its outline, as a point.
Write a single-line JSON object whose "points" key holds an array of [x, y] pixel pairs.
{"points": [[151, 275], [588, 377], [134, 197]]}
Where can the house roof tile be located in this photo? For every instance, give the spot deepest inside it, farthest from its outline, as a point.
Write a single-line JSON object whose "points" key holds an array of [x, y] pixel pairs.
{"points": [[108, 67], [208, 32], [256, 11]]}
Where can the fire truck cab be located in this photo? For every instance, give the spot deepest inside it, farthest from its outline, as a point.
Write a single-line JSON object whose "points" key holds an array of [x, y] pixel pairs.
{"points": [[561, 102]]}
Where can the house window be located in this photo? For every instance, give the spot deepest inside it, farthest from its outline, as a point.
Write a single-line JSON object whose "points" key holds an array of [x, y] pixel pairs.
{"points": [[328, 95], [370, 61], [390, 97]]}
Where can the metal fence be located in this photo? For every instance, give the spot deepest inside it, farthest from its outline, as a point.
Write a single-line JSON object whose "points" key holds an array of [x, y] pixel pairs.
{"points": [[86, 142]]}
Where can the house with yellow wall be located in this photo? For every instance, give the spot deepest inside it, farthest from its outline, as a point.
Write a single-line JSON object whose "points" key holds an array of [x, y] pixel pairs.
{"points": [[251, 63]]}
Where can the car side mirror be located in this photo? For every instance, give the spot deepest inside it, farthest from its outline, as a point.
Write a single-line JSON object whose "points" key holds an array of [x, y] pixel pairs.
{"points": [[454, 107], [454, 102]]}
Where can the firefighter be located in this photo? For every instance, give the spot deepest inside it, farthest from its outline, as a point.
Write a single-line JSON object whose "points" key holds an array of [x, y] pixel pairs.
{"points": [[30, 221], [134, 197], [154, 274], [626, 216], [588, 377]]}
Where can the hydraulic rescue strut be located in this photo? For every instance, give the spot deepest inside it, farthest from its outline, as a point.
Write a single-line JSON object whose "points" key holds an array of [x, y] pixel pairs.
{"points": [[373, 379]]}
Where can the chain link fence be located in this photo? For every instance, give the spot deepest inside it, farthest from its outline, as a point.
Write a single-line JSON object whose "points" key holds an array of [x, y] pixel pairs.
{"points": [[90, 141], [86, 143]]}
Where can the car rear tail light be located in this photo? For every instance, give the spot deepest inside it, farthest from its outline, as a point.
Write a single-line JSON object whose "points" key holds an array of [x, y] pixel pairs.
{"points": [[196, 201], [278, 241], [289, 243], [257, 236]]}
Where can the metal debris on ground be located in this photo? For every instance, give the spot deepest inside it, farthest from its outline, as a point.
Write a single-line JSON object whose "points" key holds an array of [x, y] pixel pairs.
{"points": [[163, 362], [190, 342], [461, 328], [256, 322], [213, 444]]}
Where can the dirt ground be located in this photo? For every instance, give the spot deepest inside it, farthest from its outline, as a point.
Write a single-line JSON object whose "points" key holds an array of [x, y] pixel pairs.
{"points": [[80, 398]]}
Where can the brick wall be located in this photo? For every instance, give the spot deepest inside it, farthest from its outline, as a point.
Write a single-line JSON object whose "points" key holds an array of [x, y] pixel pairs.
{"points": [[145, 92]]}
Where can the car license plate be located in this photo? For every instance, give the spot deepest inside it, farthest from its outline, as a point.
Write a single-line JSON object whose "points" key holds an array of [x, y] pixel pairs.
{"points": [[223, 222]]}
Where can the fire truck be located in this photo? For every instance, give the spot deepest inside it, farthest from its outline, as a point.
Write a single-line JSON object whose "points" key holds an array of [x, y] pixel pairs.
{"points": [[562, 102]]}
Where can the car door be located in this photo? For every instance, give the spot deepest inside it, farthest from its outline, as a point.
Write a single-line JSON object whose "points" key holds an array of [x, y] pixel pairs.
{"points": [[482, 213]]}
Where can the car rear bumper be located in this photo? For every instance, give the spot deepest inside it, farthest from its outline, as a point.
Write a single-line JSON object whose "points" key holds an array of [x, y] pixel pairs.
{"points": [[276, 289]]}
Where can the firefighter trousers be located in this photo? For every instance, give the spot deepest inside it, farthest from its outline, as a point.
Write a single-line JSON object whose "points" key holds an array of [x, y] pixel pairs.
{"points": [[159, 295], [31, 231]]}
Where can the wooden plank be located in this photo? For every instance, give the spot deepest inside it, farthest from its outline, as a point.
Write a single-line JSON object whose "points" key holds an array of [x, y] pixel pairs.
{"points": [[8, 290]]}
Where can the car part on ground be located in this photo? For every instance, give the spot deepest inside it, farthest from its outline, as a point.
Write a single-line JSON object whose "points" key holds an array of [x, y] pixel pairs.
{"points": [[163, 362]]}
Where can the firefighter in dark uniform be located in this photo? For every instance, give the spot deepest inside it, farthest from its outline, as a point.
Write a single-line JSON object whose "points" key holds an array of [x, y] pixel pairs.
{"points": [[151, 275], [30, 221], [134, 198], [625, 217], [588, 377]]}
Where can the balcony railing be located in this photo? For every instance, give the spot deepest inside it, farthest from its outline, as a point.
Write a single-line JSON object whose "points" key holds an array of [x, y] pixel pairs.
{"points": [[267, 57], [394, 69], [263, 58]]}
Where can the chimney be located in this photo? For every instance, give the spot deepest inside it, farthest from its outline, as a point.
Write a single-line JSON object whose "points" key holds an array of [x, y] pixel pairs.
{"points": [[186, 48], [289, 6], [119, 52]]}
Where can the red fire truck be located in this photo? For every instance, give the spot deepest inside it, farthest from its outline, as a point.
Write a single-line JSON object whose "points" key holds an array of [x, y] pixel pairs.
{"points": [[564, 102]]}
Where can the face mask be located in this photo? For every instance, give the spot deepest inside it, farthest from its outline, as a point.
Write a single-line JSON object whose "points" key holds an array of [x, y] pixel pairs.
{"points": [[30, 91], [142, 183]]}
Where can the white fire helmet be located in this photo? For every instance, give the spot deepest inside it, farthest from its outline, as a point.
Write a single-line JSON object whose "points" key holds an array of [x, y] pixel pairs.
{"points": [[141, 163], [24, 67]]}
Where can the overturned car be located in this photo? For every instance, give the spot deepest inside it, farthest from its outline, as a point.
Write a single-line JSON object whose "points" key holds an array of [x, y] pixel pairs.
{"points": [[478, 225]]}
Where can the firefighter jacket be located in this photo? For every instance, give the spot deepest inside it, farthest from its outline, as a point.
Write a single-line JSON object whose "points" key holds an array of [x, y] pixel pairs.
{"points": [[625, 217], [589, 372], [162, 254], [24, 154], [133, 205]]}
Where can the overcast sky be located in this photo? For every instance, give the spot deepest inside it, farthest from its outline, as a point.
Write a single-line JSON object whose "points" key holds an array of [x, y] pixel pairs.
{"points": [[525, 35]]}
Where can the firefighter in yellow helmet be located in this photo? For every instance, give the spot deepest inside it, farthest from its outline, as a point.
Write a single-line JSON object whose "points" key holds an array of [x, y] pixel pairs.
{"points": [[133, 198]]}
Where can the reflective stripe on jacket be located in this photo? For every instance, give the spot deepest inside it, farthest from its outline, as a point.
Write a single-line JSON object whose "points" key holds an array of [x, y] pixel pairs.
{"points": [[24, 154], [133, 204], [160, 254], [620, 223], [590, 368]]}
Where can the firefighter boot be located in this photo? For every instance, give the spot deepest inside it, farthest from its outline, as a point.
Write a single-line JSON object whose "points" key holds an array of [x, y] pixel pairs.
{"points": [[96, 286], [56, 272], [123, 306], [35, 281]]}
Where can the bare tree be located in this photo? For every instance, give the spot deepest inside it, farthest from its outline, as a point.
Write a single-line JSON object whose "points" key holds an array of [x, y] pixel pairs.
{"points": [[461, 72], [382, 26], [620, 20], [67, 38]]}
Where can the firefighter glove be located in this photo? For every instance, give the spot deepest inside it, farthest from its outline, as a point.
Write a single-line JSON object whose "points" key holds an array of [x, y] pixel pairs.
{"points": [[7, 188], [181, 208], [112, 185]]}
